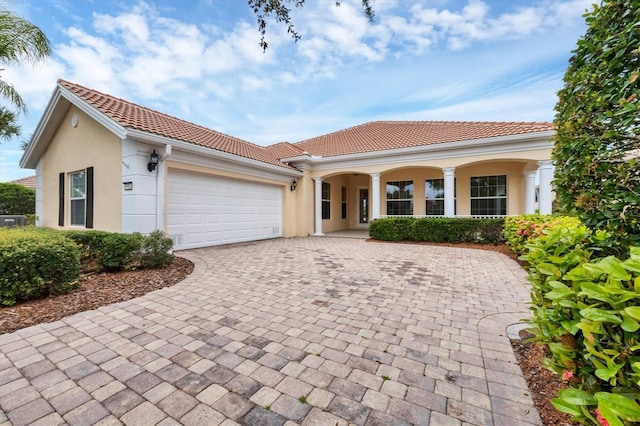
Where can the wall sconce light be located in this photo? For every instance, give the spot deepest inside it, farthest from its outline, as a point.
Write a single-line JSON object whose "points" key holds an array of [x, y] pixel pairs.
{"points": [[153, 161], [128, 186], [294, 184]]}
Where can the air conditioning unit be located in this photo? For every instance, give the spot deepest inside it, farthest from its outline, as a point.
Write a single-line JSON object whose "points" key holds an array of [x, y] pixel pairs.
{"points": [[11, 221]]}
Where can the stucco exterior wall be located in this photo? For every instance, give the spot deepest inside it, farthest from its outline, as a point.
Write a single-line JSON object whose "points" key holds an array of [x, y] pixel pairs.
{"points": [[72, 149]]}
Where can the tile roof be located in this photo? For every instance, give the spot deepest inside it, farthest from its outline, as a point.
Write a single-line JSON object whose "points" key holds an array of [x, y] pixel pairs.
{"points": [[284, 150], [385, 135], [133, 116], [29, 182]]}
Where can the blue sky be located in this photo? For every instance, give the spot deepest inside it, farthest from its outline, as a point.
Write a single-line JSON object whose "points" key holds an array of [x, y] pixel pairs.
{"points": [[499, 60]]}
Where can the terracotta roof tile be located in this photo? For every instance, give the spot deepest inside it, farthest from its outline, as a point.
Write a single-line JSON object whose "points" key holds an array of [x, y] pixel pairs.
{"points": [[284, 150], [133, 116], [29, 182], [385, 135]]}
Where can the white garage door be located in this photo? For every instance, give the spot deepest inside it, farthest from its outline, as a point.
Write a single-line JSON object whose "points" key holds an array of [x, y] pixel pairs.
{"points": [[208, 210]]}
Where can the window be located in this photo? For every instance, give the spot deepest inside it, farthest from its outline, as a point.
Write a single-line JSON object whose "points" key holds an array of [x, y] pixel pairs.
{"points": [[326, 200], [400, 198], [489, 195], [434, 196], [344, 202], [78, 198]]}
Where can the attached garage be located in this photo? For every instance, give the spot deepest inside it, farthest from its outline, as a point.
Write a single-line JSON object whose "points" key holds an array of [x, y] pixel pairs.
{"points": [[205, 210]]}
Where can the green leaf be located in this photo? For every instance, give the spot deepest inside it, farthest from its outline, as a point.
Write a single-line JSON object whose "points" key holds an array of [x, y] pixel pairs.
{"points": [[600, 315], [548, 269], [609, 415], [622, 406], [628, 323], [633, 311], [577, 397], [607, 373], [565, 407]]}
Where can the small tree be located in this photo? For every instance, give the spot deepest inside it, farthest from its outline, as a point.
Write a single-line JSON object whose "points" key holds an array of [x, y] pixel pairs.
{"points": [[597, 143], [17, 199]]}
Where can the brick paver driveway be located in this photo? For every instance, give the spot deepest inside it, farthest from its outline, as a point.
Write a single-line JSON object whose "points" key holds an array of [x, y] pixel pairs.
{"points": [[311, 331]]}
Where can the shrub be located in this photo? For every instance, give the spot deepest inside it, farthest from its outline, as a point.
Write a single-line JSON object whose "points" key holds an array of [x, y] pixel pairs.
{"points": [[587, 311], [391, 229], [156, 250], [35, 263], [88, 241], [438, 229], [519, 230], [118, 251], [16, 199], [597, 137]]}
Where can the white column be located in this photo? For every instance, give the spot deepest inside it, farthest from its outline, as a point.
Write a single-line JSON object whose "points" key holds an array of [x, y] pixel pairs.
{"points": [[529, 192], [449, 191], [318, 206], [375, 196], [545, 168]]}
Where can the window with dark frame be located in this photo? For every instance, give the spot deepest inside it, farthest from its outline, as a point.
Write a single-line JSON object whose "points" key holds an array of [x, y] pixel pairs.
{"points": [[400, 198], [488, 195], [326, 200], [344, 202], [77, 197], [434, 197]]}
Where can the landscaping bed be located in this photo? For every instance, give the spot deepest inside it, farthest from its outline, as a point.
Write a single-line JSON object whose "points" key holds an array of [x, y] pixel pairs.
{"points": [[95, 290]]}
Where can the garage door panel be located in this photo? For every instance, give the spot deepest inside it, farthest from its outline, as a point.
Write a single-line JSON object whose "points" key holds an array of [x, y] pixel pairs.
{"points": [[210, 210]]}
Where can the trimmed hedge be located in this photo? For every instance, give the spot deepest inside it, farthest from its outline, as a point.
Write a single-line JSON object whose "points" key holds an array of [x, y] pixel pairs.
{"points": [[36, 263], [438, 229]]}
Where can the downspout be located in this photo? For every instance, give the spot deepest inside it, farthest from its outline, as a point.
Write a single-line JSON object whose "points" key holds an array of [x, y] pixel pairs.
{"points": [[161, 188]]}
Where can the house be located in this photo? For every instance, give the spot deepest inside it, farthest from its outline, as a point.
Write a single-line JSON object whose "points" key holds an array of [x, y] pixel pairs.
{"points": [[105, 163], [27, 182]]}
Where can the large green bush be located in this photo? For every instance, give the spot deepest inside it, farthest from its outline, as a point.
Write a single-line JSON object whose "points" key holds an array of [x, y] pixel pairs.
{"points": [[586, 309], [17, 199], [438, 229], [598, 124], [35, 263]]}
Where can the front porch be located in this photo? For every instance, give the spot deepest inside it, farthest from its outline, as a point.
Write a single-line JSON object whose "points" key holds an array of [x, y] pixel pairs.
{"points": [[350, 200]]}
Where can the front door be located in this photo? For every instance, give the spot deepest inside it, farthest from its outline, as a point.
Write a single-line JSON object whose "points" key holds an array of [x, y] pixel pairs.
{"points": [[363, 206]]}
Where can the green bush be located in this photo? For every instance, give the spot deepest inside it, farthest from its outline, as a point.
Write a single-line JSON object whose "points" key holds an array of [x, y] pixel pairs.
{"points": [[36, 263], [518, 230], [17, 199], [88, 241], [118, 251], [156, 250], [587, 311], [391, 229], [438, 229], [597, 172]]}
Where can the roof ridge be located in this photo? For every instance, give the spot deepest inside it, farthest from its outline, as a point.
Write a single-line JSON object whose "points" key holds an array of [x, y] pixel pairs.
{"points": [[157, 112]]}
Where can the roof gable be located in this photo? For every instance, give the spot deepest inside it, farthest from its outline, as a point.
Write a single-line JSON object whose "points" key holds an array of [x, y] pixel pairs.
{"points": [[132, 116], [387, 135]]}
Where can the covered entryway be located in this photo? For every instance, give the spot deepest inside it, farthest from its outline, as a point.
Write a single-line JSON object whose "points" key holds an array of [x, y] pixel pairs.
{"points": [[205, 210]]}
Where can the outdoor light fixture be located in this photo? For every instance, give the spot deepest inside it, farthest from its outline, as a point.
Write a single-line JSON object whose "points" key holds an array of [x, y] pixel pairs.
{"points": [[153, 161], [128, 186], [294, 184]]}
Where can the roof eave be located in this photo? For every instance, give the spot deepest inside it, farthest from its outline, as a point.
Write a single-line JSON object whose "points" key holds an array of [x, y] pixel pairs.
{"points": [[155, 139], [544, 137]]}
